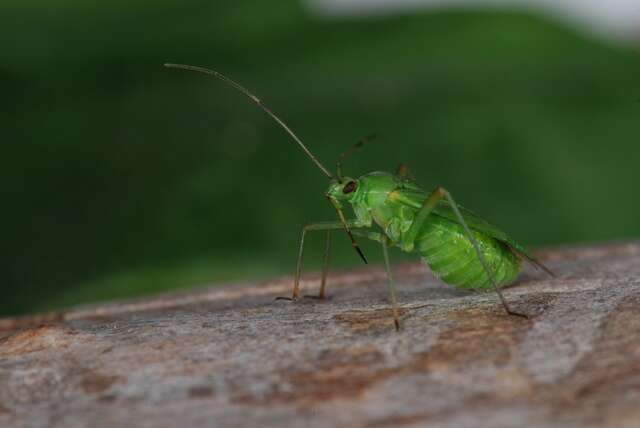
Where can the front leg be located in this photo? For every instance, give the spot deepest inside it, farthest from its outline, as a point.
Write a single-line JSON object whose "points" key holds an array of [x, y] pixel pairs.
{"points": [[325, 225]]}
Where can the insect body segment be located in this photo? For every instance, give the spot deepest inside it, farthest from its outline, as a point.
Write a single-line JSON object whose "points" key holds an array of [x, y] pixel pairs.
{"points": [[444, 246], [459, 247]]}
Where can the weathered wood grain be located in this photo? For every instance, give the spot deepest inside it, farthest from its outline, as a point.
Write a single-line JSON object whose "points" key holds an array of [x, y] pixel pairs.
{"points": [[231, 356]]}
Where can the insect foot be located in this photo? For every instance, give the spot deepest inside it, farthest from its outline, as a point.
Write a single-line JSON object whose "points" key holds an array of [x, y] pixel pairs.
{"points": [[518, 314], [316, 297], [289, 299]]}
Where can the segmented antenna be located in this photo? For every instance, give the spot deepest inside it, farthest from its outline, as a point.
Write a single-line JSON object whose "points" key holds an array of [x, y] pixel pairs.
{"points": [[348, 152], [259, 103]]}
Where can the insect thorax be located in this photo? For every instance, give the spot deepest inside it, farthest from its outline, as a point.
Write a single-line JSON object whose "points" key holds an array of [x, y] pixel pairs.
{"points": [[374, 202]]}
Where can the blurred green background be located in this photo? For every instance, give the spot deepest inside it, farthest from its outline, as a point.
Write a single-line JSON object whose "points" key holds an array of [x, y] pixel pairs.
{"points": [[120, 177]]}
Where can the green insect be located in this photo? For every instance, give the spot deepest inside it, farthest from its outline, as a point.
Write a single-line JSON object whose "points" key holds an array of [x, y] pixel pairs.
{"points": [[461, 248]]}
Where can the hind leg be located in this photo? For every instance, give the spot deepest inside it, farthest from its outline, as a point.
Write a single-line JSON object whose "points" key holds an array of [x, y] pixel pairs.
{"points": [[426, 209]]}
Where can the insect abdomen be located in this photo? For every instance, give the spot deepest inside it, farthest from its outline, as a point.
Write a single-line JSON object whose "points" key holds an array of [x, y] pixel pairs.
{"points": [[445, 247]]}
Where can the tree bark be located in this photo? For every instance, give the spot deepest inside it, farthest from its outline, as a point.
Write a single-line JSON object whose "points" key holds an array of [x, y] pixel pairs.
{"points": [[232, 356]]}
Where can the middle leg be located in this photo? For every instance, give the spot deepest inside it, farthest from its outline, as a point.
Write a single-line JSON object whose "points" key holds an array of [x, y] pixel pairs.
{"points": [[384, 240]]}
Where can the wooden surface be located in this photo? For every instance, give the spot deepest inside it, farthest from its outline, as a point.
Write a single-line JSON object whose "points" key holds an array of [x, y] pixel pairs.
{"points": [[231, 356]]}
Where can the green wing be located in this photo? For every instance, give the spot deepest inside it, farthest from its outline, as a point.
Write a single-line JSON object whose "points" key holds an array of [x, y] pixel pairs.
{"points": [[414, 196]]}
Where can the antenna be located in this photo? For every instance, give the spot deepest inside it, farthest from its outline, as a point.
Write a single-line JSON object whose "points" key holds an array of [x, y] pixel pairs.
{"points": [[258, 102], [350, 150]]}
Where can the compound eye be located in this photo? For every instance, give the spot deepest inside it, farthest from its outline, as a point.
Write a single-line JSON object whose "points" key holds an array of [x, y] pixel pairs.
{"points": [[349, 187]]}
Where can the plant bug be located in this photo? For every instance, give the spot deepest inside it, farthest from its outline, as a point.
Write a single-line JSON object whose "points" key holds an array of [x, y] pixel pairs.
{"points": [[461, 248]]}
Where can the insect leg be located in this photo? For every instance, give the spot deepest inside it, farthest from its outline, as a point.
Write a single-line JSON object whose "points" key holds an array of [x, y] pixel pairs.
{"points": [[392, 288], [325, 264], [426, 209], [409, 238], [483, 261], [325, 267], [326, 225]]}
